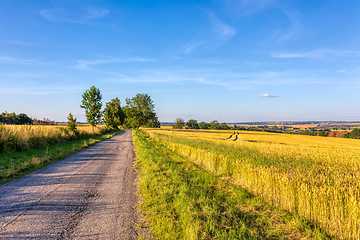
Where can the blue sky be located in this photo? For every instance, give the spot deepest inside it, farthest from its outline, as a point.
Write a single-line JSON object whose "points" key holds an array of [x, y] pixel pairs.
{"points": [[229, 60]]}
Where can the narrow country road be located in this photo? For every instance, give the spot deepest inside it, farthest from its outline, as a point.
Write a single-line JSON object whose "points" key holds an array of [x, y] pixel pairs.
{"points": [[89, 195]]}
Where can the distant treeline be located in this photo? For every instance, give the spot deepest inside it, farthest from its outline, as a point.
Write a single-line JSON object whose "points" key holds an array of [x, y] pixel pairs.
{"points": [[22, 119], [193, 124], [355, 133], [13, 118]]}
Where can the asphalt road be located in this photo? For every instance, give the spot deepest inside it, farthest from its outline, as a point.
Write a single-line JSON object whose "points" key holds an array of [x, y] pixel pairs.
{"points": [[89, 195]]}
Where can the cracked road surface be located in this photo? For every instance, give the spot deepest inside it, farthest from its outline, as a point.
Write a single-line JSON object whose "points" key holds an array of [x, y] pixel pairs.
{"points": [[89, 195]]}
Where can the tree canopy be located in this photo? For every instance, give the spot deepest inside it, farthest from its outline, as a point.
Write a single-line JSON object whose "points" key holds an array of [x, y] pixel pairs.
{"points": [[214, 124], [13, 118], [179, 123], [224, 126], [203, 125], [355, 133], [91, 102], [114, 116], [192, 124], [140, 111]]}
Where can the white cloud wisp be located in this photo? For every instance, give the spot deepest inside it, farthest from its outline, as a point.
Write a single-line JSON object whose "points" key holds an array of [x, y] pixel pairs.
{"points": [[269, 96]]}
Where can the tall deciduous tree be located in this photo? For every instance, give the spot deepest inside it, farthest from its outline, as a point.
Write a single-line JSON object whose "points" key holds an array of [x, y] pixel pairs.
{"points": [[214, 124], [179, 123], [91, 102], [203, 125], [192, 124], [140, 111], [113, 114]]}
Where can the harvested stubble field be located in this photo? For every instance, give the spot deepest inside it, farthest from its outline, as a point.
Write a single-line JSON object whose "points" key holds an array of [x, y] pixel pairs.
{"points": [[315, 177]]}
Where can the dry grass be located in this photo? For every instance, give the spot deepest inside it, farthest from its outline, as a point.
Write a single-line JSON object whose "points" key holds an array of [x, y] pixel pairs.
{"points": [[24, 137]]}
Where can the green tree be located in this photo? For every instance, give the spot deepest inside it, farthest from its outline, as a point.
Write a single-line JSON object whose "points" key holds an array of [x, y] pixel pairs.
{"points": [[192, 124], [13, 118], [179, 123], [203, 125], [114, 116], [71, 122], [91, 102], [140, 111], [214, 124], [355, 133], [24, 119], [224, 126]]}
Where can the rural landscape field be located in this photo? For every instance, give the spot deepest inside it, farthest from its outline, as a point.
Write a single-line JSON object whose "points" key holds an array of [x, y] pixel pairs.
{"points": [[180, 120], [314, 177]]}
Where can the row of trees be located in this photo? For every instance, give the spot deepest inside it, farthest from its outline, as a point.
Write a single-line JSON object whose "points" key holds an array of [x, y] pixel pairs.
{"points": [[193, 124], [138, 111], [13, 118], [23, 119]]}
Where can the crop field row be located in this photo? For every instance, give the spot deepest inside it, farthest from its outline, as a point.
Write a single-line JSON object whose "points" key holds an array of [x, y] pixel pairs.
{"points": [[314, 177]]}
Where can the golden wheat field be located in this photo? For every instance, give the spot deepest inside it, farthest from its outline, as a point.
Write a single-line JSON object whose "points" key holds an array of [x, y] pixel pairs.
{"points": [[317, 178], [23, 137]]}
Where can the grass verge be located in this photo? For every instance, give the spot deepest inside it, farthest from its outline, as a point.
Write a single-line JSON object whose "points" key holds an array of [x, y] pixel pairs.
{"points": [[17, 164], [180, 200]]}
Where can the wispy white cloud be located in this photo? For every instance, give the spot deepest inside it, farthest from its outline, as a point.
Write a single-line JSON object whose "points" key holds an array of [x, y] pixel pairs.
{"points": [[84, 64], [39, 90], [223, 32], [219, 77], [285, 31], [212, 82], [341, 70], [322, 53], [190, 46], [93, 12], [221, 28], [250, 6], [19, 61], [20, 43], [269, 95], [82, 16], [294, 27], [217, 34]]}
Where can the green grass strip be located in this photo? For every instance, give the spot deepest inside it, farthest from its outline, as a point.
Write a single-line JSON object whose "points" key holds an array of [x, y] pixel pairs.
{"points": [[17, 164], [179, 200]]}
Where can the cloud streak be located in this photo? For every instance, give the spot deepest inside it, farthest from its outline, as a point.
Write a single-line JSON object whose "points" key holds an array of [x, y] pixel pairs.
{"points": [[84, 64], [223, 32], [321, 53], [295, 25], [190, 46], [266, 95], [82, 16], [20, 43], [218, 34], [250, 6], [40, 90], [18, 61]]}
